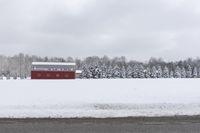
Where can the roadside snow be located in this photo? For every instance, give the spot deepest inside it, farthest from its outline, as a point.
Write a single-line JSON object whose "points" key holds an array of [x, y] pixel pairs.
{"points": [[99, 98]]}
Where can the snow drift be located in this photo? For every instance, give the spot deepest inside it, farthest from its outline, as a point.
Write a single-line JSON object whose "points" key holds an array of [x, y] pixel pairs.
{"points": [[99, 98]]}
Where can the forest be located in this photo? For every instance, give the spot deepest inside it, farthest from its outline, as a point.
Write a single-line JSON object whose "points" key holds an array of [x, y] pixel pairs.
{"points": [[104, 67]]}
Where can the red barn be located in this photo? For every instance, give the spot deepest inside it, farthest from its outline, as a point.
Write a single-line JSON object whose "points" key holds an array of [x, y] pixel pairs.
{"points": [[53, 70]]}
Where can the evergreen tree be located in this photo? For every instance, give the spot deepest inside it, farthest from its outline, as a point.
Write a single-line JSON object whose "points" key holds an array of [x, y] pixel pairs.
{"points": [[135, 71], [159, 72], [92, 72], [129, 72], [177, 72], [166, 72], [183, 72], [103, 71], [171, 74], [141, 71], [96, 67], [123, 72], [86, 73], [116, 72], [189, 72], [148, 73], [195, 73], [199, 72], [153, 72], [109, 72], [97, 72]]}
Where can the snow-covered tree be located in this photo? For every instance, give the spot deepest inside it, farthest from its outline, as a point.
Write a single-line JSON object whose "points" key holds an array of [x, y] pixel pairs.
{"points": [[198, 72], [171, 74], [103, 71], [189, 72], [141, 71], [95, 72], [109, 72], [116, 72], [165, 72], [177, 72], [154, 72], [135, 71], [195, 73], [159, 72], [148, 73], [103, 67], [123, 72], [129, 72], [86, 73], [183, 72]]}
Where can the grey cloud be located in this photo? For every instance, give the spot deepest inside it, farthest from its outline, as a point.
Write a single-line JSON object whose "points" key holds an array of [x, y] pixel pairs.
{"points": [[137, 29]]}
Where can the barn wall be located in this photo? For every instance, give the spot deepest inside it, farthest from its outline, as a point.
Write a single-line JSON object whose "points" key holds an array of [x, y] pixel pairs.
{"points": [[52, 75]]}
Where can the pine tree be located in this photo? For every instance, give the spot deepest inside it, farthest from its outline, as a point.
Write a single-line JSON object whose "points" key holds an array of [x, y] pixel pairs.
{"points": [[109, 72], [177, 72], [103, 71], [159, 72], [135, 71], [141, 71], [97, 72], [153, 72], [148, 73], [116, 72], [93, 71], [166, 72], [189, 72], [123, 72], [86, 73], [129, 72], [171, 74], [183, 72], [199, 72], [195, 73]]}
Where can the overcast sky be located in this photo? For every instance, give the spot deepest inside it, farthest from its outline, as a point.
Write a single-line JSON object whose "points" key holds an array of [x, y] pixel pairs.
{"points": [[137, 29]]}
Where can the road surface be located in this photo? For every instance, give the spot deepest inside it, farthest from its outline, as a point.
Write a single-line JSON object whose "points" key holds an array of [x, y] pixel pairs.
{"points": [[181, 124]]}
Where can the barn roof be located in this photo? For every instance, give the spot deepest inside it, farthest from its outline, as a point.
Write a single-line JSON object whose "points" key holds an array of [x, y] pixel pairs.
{"points": [[54, 63]]}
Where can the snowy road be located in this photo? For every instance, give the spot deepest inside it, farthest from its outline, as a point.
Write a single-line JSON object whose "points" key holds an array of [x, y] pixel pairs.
{"points": [[118, 125]]}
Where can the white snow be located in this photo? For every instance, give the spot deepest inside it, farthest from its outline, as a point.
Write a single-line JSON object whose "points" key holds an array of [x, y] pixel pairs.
{"points": [[53, 63], [4, 78], [78, 71], [99, 98]]}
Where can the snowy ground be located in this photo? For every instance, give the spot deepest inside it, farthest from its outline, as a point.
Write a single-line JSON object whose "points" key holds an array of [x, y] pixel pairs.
{"points": [[99, 98]]}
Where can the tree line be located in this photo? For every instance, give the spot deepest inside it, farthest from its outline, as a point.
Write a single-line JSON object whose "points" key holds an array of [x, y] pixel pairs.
{"points": [[105, 67]]}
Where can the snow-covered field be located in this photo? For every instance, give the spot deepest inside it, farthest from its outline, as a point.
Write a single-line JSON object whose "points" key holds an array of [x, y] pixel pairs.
{"points": [[99, 98]]}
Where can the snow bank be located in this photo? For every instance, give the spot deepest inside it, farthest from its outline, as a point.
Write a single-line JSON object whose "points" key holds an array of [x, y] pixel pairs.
{"points": [[99, 98]]}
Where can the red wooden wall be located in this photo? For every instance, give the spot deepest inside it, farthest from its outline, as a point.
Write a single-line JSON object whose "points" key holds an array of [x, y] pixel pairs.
{"points": [[52, 75]]}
